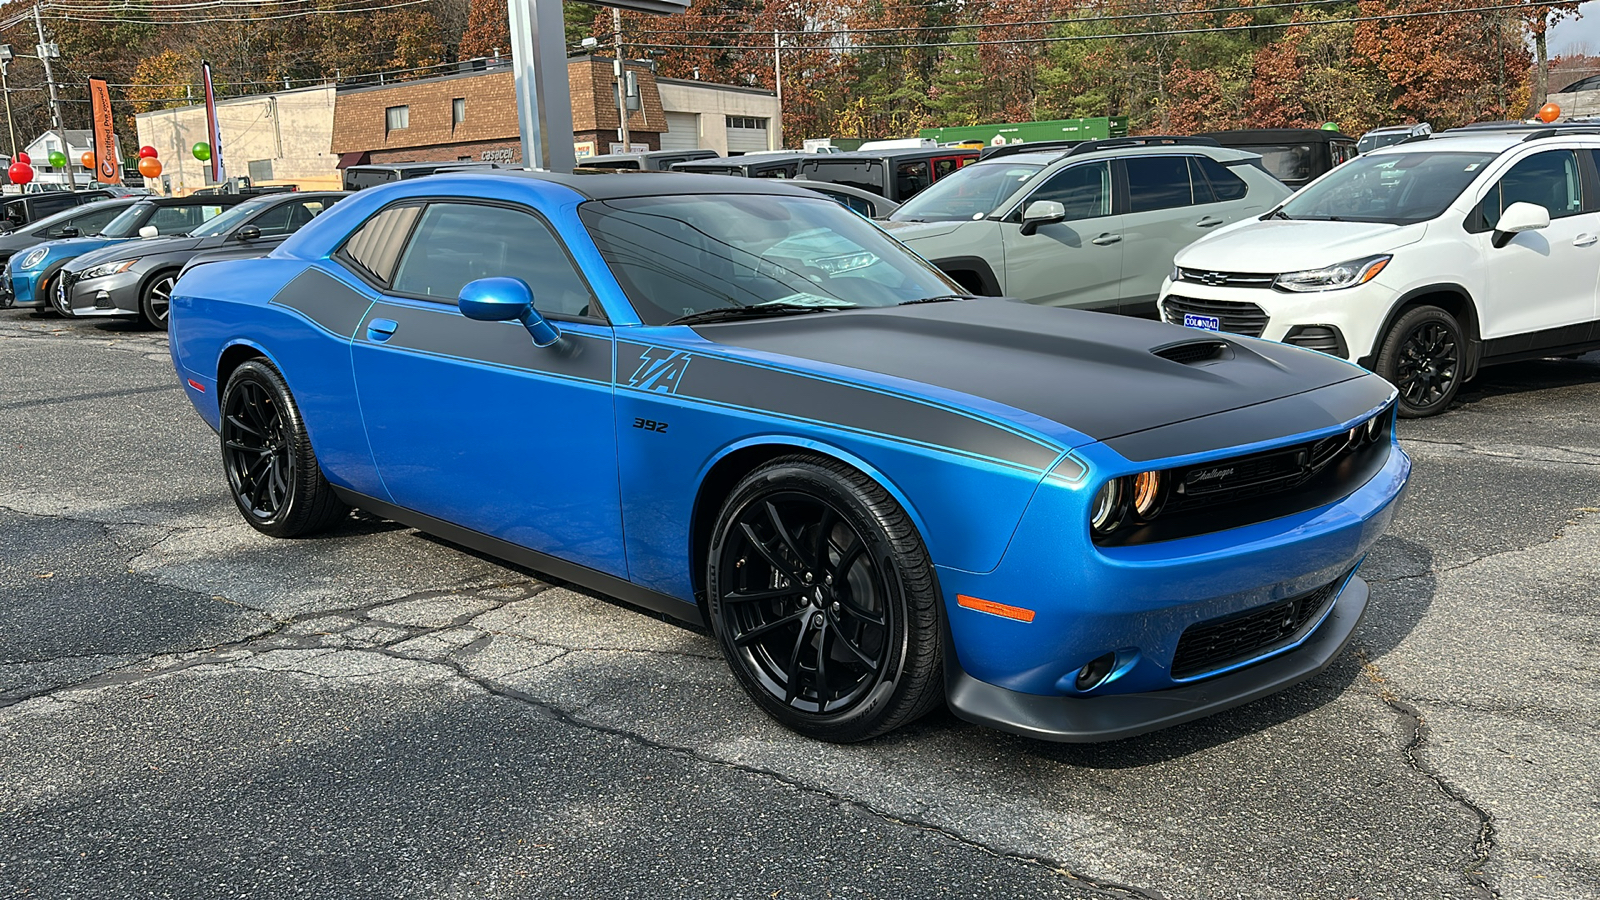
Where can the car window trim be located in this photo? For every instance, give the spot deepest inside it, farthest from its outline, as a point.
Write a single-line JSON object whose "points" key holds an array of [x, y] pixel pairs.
{"points": [[388, 291]]}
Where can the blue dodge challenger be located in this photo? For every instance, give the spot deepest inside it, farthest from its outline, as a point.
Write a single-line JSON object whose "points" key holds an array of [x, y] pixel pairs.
{"points": [[736, 402]]}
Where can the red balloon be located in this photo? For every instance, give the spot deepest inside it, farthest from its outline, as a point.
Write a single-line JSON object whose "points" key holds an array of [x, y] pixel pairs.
{"points": [[24, 159], [150, 167], [148, 152], [20, 172]]}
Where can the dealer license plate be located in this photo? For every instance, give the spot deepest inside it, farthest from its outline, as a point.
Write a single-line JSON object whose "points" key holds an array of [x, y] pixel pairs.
{"points": [[1204, 323]]}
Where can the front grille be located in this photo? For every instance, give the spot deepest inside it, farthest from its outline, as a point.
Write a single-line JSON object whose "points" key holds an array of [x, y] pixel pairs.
{"points": [[1242, 490], [1235, 318], [1219, 643], [1226, 279]]}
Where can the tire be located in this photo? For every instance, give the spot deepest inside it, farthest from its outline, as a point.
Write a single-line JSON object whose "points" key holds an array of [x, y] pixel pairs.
{"points": [[813, 566], [1421, 356], [57, 304], [155, 301], [272, 472]]}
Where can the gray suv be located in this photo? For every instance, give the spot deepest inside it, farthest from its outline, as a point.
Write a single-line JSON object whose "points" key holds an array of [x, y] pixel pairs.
{"points": [[1094, 225]]}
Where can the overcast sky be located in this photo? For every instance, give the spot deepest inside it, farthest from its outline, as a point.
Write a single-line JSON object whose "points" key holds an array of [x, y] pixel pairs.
{"points": [[1584, 31]]}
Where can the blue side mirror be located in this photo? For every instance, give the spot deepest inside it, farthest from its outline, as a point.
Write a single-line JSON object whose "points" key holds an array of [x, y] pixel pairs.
{"points": [[504, 299]]}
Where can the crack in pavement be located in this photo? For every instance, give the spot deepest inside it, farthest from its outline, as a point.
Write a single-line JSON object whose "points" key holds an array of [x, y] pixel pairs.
{"points": [[1514, 452], [1416, 728]]}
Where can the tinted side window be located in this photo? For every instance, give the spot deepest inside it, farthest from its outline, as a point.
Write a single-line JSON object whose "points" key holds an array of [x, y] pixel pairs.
{"points": [[92, 222], [1084, 190], [1158, 182], [458, 242], [376, 246], [287, 218], [1224, 184], [49, 206], [912, 177], [181, 219], [1549, 179]]}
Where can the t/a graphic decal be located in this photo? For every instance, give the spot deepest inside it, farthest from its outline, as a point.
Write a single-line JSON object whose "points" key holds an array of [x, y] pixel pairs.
{"points": [[659, 369]]}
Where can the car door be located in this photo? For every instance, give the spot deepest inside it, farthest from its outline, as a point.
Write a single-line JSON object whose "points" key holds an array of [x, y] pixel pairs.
{"points": [[1076, 262], [469, 422], [1546, 278], [1170, 205]]}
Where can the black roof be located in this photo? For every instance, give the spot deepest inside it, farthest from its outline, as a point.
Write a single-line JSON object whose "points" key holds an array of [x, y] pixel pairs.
{"points": [[896, 153], [748, 159]]}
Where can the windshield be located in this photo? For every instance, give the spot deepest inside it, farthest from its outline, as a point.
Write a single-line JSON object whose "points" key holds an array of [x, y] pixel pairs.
{"points": [[679, 255], [968, 193], [229, 218], [128, 223], [1398, 188], [1371, 142]]}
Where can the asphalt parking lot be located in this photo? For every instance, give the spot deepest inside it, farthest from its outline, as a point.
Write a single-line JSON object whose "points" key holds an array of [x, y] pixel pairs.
{"points": [[191, 709]]}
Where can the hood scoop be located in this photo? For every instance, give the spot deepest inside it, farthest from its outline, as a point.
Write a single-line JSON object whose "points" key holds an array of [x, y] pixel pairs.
{"points": [[1193, 353]]}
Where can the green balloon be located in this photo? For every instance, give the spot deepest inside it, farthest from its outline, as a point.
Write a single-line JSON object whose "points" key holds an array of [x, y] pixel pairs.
{"points": [[57, 158], [201, 151], [1330, 126]]}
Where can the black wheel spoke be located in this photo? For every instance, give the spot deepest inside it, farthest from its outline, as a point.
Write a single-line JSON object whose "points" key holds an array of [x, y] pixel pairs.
{"points": [[762, 630], [861, 655], [823, 633], [791, 687], [772, 558], [784, 536], [847, 559], [240, 424], [824, 532], [755, 596]]}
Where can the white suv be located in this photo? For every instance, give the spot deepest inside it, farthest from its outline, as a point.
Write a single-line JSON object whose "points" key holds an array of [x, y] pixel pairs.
{"points": [[1421, 261]]}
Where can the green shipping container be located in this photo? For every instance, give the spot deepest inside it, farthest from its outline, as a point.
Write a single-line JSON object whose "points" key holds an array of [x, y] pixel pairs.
{"points": [[1054, 130]]}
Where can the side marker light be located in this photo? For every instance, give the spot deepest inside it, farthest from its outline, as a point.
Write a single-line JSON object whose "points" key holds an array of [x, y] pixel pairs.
{"points": [[995, 609]]}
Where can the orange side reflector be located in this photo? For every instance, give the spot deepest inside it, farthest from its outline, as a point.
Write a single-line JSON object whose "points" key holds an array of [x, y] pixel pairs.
{"points": [[995, 609]]}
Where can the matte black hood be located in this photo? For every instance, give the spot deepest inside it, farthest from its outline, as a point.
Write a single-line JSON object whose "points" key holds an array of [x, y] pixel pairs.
{"points": [[1092, 372]]}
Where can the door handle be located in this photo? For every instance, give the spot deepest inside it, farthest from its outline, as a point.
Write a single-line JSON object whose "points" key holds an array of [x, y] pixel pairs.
{"points": [[380, 330], [1585, 240], [1105, 239], [1209, 222]]}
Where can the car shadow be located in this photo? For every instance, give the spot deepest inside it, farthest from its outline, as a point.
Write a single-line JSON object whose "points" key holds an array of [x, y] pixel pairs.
{"points": [[1529, 375]]}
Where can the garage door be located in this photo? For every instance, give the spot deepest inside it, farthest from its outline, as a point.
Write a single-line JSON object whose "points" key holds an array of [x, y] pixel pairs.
{"points": [[683, 132], [746, 134]]}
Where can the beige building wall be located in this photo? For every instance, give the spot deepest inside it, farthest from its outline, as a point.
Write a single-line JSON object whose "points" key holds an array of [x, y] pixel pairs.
{"points": [[715, 102], [292, 129]]}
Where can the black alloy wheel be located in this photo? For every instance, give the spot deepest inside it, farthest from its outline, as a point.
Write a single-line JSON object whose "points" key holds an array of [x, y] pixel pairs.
{"points": [[1422, 356], [823, 600], [155, 301], [272, 473]]}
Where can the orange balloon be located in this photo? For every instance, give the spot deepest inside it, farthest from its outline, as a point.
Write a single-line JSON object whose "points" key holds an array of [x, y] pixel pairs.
{"points": [[150, 167], [88, 161], [1549, 113]]}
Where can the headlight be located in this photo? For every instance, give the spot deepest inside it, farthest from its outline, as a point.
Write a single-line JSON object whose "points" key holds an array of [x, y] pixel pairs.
{"points": [[1131, 498], [1177, 273], [1333, 278], [33, 258], [111, 268]]}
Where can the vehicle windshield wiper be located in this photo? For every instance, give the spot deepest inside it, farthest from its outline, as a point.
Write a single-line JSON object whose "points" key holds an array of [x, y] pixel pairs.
{"points": [[724, 313], [1278, 214], [943, 298]]}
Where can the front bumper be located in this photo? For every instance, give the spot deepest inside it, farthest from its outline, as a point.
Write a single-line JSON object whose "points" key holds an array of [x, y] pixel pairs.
{"points": [[1114, 716], [1330, 321], [111, 295]]}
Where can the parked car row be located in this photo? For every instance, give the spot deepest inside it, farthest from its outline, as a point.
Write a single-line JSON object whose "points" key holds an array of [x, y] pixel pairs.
{"points": [[121, 257]]}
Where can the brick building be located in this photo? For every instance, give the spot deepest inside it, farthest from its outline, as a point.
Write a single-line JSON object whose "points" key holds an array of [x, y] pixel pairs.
{"points": [[473, 116]]}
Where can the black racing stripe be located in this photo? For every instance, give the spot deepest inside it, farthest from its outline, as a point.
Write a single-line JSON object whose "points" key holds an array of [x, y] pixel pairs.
{"points": [[857, 408], [324, 300], [446, 332]]}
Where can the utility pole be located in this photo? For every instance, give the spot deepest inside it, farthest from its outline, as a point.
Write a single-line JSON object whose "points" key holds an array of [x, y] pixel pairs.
{"points": [[55, 103], [777, 81], [622, 81], [5, 60]]}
